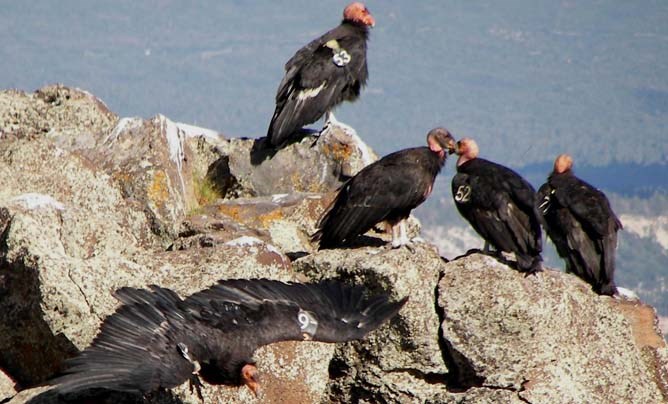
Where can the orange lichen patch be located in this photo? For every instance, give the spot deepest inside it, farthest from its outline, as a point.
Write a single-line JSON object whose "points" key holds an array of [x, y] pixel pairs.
{"points": [[121, 176], [339, 152], [158, 191], [232, 211], [267, 218], [296, 181], [643, 319]]}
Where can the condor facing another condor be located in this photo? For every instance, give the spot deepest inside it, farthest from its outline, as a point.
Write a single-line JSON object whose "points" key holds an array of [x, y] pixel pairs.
{"points": [[499, 205], [158, 340], [579, 220], [321, 75], [386, 190]]}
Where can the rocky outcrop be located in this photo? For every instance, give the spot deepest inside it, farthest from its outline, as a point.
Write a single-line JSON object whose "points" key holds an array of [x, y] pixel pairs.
{"points": [[545, 337], [7, 389], [408, 354], [90, 203]]}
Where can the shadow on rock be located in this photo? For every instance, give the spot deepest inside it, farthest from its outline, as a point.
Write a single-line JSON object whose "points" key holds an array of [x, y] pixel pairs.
{"points": [[263, 150]]}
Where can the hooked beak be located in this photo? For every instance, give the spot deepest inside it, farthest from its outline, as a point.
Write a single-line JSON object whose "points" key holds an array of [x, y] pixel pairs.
{"points": [[455, 148], [249, 377], [452, 146], [254, 388]]}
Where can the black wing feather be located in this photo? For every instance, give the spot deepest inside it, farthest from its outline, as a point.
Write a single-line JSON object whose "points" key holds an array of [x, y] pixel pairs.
{"points": [[135, 348], [579, 220], [342, 312], [312, 69], [499, 205], [386, 189]]}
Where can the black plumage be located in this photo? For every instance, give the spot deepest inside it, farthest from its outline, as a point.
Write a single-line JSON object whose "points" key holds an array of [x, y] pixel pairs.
{"points": [[329, 70], [158, 340], [499, 205], [581, 224], [386, 190]]}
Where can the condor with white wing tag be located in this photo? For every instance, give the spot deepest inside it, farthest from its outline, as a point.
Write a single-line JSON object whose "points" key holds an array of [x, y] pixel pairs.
{"points": [[329, 70]]}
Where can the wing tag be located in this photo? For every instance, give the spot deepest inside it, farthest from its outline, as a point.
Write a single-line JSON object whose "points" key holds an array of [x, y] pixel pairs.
{"points": [[341, 57], [545, 206], [463, 194], [183, 350], [307, 324]]}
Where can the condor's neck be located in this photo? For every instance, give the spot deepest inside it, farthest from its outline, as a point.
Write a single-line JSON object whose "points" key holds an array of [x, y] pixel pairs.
{"points": [[464, 160], [360, 29]]}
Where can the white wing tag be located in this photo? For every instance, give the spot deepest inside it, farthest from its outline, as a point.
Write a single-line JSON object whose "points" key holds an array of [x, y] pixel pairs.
{"points": [[463, 194], [307, 324], [341, 57]]}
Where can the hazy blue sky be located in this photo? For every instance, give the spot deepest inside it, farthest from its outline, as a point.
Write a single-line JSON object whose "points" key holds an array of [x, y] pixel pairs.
{"points": [[527, 78]]}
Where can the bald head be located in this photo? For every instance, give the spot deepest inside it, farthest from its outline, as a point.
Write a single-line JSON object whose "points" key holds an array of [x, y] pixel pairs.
{"points": [[467, 149], [563, 163], [440, 140], [249, 377], [357, 12]]}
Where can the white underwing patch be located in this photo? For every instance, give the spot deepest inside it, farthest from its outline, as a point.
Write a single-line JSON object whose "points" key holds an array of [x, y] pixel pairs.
{"points": [[310, 92]]}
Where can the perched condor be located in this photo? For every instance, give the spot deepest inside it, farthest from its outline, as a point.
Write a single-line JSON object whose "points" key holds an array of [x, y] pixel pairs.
{"points": [[499, 204], [579, 221], [386, 190], [157, 340], [329, 70]]}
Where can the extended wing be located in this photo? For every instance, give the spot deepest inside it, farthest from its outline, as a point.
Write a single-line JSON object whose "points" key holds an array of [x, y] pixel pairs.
{"points": [[135, 350], [328, 311]]}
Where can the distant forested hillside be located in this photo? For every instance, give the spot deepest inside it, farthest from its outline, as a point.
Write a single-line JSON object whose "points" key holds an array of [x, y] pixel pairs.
{"points": [[529, 79]]}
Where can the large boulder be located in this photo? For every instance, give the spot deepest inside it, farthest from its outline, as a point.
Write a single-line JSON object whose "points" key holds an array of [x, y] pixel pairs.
{"points": [[284, 220], [7, 389], [314, 164], [75, 118], [54, 302], [404, 359], [547, 337]]}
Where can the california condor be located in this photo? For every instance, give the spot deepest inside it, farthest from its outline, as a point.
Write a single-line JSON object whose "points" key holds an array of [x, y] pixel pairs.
{"points": [[581, 224], [157, 340], [386, 190], [499, 205], [321, 75]]}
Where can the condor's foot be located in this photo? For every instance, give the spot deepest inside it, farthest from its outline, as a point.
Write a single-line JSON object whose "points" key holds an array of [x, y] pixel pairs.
{"points": [[535, 267], [196, 384]]}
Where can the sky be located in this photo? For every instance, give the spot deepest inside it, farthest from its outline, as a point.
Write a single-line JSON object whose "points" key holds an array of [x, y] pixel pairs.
{"points": [[528, 79]]}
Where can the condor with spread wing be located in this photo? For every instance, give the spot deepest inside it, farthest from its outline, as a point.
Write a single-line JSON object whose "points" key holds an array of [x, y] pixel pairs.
{"points": [[321, 75], [158, 340], [499, 205], [581, 224]]}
